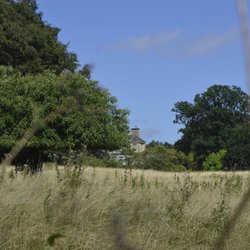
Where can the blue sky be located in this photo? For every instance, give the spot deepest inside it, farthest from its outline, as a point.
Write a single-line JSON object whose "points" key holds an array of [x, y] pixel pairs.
{"points": [[151, 54]]}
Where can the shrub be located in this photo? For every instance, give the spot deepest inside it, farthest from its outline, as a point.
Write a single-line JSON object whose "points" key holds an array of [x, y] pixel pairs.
{"points": [[214, 161], [93, 161], [161, 158]]}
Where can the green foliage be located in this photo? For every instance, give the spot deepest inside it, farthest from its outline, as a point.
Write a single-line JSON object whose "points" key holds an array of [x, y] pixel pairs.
{"points": [[110, 163], [161, 158], [238, 157], [92, 161], [214, 161], [91, 121], [209, 121], [29, 44], [86, 71], [158, 143]]}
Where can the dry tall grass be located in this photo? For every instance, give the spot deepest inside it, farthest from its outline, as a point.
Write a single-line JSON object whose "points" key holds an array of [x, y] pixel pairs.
{"points": [[120, 209]]}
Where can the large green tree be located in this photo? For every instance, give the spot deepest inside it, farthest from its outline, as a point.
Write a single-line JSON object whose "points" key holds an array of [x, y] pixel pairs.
{"points": [[29, 44], [210, 121], [90, 119]]}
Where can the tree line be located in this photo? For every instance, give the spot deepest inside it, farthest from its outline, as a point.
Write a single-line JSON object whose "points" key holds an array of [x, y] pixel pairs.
{"points": [[218, 119]]}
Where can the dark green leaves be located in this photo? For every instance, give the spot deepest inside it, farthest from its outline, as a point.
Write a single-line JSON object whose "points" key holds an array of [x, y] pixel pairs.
{"points": [[90, 119], [210, 120], [29, 44]]}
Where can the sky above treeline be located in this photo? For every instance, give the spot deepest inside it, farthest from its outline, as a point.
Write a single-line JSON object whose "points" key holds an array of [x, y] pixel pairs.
{"points": [[151, 54]]}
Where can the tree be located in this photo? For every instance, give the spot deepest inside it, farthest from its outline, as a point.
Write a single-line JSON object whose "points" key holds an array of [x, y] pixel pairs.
{"points": [[208, 122], [238, 147], [86, 71], [91, 119], [29, 44], [158, 143], [162, 158]]}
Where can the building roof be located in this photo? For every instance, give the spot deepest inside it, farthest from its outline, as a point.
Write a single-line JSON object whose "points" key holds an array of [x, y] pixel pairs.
{"points": [[136, 139]]}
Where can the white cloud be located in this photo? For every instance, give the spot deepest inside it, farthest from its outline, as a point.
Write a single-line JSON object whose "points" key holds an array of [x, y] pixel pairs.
{"points": [[147, 42], [210, 43], [175, 43]]}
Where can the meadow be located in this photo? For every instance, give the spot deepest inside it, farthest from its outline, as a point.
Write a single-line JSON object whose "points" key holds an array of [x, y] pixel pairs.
{"points": [[103, 208]]}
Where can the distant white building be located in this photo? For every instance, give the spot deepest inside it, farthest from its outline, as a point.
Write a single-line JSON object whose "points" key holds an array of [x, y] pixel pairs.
{"points": [[136, 142]]}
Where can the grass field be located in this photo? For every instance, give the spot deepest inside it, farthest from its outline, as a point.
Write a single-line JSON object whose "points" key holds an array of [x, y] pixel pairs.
{"points": [[102, 208]]}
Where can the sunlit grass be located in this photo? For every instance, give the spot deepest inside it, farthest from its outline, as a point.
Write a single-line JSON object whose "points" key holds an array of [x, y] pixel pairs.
{"points": [[156, 210]]}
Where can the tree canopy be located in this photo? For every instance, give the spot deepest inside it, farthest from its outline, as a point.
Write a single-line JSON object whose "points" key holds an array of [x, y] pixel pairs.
{"points": [[29, 44], [155, 143], [238, 147], [160, 157], [210, 121], [92, 121]]}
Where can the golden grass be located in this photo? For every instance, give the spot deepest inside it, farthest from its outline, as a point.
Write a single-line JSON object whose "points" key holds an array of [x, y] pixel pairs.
{"points": [[105, 208]]}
